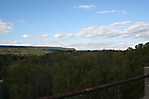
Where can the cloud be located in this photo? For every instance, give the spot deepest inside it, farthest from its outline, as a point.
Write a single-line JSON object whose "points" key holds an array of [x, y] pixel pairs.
{"points": [[25, 35], [42, 37], [118, 35], [86, 6], [139, 30], [5, 27], [34, 39], [83, 46], [117, 29], [39, 37], [111, 12], [63, 35], [60, 35], [8, 42], [97, 31], [100, 46], [111, 30]]}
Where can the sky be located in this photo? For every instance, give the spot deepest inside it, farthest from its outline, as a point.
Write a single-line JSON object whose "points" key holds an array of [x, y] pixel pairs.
{"points": [[81, 24]]}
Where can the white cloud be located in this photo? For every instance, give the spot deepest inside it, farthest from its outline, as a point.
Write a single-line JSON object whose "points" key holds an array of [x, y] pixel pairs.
{"points": [[139, 30], [34, 39], [117, 29], [57, 43], [111, 12], [97, 31], [5, 27], [8, 42], [86, 6], [60, 35], [64, 35], [92, 31], [25, 35], [43, 37], [118, 35], [83, 46], [99, 46], [39, 37]]}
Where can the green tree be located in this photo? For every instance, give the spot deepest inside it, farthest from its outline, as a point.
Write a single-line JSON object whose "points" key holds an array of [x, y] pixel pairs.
{"points": [[28, 81]]}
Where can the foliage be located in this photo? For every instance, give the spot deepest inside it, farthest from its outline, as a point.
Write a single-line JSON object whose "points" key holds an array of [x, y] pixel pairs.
{"points": [[28, 81], [33, 76]]}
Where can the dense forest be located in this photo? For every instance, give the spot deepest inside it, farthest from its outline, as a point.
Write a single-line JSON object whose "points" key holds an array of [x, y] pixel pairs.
{"points": [[34, 76]]}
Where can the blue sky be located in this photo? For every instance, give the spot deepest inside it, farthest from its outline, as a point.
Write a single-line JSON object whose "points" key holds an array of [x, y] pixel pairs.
{"points": [[82, 24]]}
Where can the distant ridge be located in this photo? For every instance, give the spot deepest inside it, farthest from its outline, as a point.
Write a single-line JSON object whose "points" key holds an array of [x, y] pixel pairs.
{"points": [[18, 46], [12, 46], [37, 50]]}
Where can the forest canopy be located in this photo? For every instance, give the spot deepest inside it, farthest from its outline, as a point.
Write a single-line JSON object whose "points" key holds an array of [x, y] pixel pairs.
{"points": [[34, 76]]}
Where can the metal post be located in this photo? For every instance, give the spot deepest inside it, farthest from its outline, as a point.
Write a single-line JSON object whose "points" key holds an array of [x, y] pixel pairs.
{"points": [[1, 89], [146, 82]]}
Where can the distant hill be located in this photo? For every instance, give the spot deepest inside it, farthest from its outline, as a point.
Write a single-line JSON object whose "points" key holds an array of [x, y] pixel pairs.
{"points": [[37, 50], [11, 46]]}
